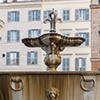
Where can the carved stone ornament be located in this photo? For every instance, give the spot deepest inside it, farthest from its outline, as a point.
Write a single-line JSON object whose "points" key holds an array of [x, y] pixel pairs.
{"points": [[87, 79], [52, 94], [16, 83]]}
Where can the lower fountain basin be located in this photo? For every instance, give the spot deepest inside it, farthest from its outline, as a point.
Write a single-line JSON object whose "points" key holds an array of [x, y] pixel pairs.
{"points": [[35, 85]]}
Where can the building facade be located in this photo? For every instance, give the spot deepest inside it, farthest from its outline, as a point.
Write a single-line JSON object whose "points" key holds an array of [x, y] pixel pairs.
{"points": [[95, 28], [21, 19]]}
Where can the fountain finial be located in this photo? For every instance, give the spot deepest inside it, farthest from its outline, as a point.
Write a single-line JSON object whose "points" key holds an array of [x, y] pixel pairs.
{"points": [[52, 19]]}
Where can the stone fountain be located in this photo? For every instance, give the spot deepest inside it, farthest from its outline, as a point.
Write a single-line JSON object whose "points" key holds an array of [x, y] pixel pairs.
{"points": [[53, 43], [50, 85]]}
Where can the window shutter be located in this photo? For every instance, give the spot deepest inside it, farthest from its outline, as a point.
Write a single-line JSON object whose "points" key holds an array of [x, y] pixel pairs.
{"points": [[8, 36], [38, 14], [63, 64], [28, 58], [17, 16], [84, 63], [68, 15], [9, 16], [45, 14], [30, 15], [76, 64], [76, 15], [39, 32], [29, 33], [17, 58], [76, 34], [63, 14], [67, 62], [18, 35], [87, 39], [7, 58], [87, 14], [36, 58]]}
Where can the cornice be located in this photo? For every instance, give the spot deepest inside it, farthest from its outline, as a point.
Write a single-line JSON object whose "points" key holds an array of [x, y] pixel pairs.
{"points": [[20, 5], [95, 6]]}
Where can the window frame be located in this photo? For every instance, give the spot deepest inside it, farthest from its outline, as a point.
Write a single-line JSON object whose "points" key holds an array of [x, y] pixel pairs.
{"points": [[80, 63], [67, 16], [84, 35], [79, 17], [13, 16], [12, 61], [34, 15], [13, 36], [30, 59], [31, 33], [65, 64]]}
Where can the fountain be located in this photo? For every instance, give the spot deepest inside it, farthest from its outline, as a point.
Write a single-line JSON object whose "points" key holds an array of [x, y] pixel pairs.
{"points": [[53, 43], [50, 85]]}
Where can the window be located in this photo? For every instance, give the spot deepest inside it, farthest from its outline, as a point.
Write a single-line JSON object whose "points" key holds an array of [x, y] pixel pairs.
{"points": [[12, 58], [32, 58], [13, 16], [34, 15], [85, 36], [33, 33], [46, 13], [82, 14], [65, 64], [13, 36], [80, 64], [66, 15]]}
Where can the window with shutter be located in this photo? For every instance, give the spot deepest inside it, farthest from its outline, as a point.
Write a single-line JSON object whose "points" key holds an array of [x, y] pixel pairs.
{"points": [[82, 14], [33, 33], [13, 16], [80, 64], [12, 58], [32, 58], [85, 35], [13, 36], [34, 15], [65, 64]]}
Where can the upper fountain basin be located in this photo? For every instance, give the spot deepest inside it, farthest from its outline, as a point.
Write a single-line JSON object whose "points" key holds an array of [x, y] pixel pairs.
{"points": [[57, 39]]}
